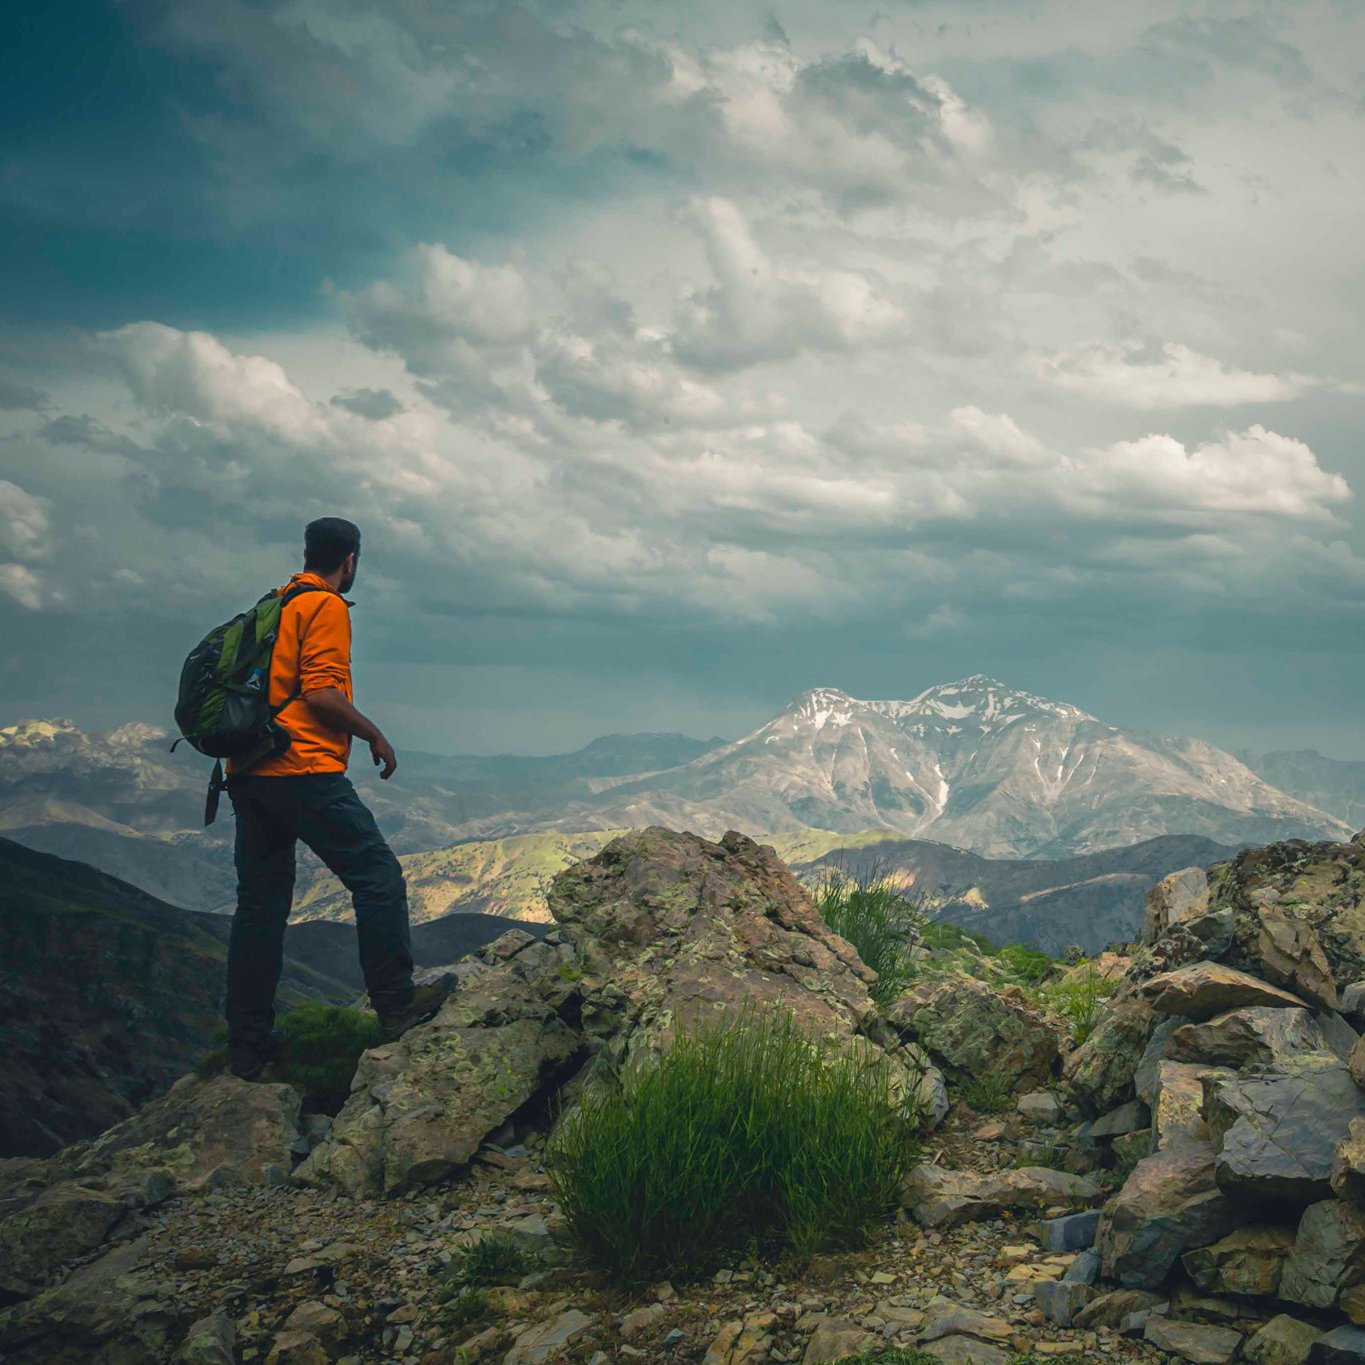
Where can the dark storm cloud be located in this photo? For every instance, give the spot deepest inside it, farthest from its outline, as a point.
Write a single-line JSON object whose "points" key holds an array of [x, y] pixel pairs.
{"points": [[686, 353]]}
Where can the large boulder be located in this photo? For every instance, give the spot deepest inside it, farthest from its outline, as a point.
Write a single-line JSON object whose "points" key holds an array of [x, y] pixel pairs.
{"points": [[1247, 1262], [1319, 890], [1276, 1129], [1099, 1073], [976, 1031], [1203, 990], [1174, 1093], [673, 930], [117, 1310], [421, 1107], [938, 1197], [1255, 1035], [56, 1226], [1176, 899], [1170, 1204], [1328, 1254], [201, 1135]]}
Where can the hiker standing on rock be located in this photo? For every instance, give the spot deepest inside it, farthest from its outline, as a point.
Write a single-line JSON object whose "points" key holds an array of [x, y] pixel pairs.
{"points": [[301, 792]]}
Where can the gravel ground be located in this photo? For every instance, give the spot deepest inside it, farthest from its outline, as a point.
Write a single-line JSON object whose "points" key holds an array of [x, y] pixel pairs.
{"points": [[363, 1278]]}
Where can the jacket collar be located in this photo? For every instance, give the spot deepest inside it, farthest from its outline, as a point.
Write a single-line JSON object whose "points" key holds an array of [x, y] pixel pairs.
{"points": [[309, 579]]}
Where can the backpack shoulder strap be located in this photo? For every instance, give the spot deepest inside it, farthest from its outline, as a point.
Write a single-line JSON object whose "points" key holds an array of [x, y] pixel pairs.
{"points": [[297, 590], [288, 596]]}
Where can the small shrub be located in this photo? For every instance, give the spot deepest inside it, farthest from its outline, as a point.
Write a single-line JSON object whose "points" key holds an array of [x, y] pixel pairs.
{"points": [[463, 1306], [319, 1047], [879, 920], [747, 1132], [1081, 1000], [989, 1095], [493, 1259], [941, 936], [1029, 965]]}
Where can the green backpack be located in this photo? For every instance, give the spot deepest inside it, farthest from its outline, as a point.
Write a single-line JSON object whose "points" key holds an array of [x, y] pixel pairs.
{"points": [[224, 706]]}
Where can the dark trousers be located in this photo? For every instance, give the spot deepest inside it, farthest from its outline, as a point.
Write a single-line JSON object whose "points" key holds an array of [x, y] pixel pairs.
{"points": [[323, 810]]}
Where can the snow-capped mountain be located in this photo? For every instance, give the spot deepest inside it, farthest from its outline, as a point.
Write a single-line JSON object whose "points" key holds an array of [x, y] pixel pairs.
{"points": [[972, 763]]}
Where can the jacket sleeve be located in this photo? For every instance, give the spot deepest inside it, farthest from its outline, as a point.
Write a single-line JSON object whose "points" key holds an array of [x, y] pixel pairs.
{"points": [[325, 649]]}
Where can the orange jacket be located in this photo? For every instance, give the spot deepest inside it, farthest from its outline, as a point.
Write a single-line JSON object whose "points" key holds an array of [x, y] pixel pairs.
{"points": [[313, 652]]}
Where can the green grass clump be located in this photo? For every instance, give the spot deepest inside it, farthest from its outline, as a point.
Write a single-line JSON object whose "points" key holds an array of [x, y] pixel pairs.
{"points": [[941, 936], [989, 1095], [879, 920], [493, 1259], [1029, 965], [319, 1047], [463, 1305], [1080, 1001], [752, 1132]]}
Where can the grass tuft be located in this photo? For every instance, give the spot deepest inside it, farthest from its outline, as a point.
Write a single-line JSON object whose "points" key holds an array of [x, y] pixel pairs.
{"points": [[493, 1259], [1081, 1000], [989, 1095], [879, 920], [746, 1133]]}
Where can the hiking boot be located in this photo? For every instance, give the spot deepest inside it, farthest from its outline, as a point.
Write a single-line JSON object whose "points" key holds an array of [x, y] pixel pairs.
{"points": [[425, 1001], [248, 1060]]}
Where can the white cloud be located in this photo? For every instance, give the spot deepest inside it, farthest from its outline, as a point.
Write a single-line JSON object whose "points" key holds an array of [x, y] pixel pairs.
{"points": [[1255, 471], [19, 583], [859, 125], [757, 311], [24, 523], [1178, 377]]}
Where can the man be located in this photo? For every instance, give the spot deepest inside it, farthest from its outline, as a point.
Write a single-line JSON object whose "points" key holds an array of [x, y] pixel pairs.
{"points": [[304, 794]]}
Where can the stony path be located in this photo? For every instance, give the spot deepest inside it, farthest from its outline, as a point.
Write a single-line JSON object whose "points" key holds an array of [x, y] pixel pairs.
{"points": [[309, 1277]]}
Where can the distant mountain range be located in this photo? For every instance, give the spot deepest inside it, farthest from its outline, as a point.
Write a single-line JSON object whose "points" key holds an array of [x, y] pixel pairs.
{"points": [[1091, 900], [972, 765]]}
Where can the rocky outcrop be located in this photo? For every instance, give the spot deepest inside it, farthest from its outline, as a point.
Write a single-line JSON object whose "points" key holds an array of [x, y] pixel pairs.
{"points": [[947, 1198], [975, 1031], [1276, 1129], [1203, 990], [658, 932], [1319, 889], [1099, 1073], [670, 929], [421, 1107], [202, 1135], [1176, 899], [1170, 1204]]}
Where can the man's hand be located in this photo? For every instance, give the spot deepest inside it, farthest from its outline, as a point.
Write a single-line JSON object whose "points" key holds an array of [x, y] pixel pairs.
{"points": [[382, 753], [332, 705]]}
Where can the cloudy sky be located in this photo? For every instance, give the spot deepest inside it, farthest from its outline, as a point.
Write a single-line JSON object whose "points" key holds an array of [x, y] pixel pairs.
{"points": [[677, 358]]}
